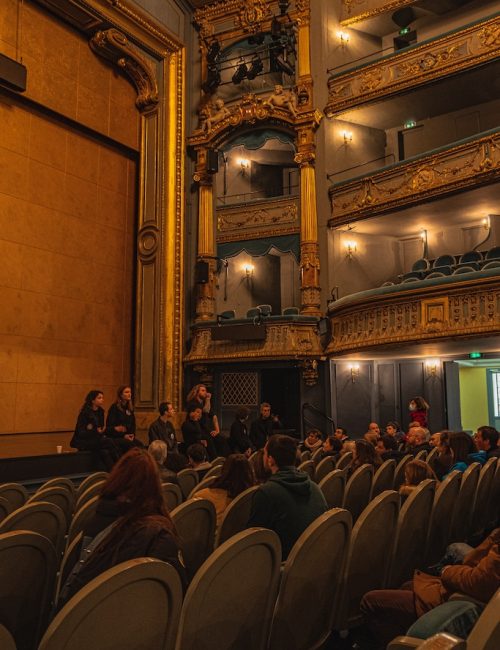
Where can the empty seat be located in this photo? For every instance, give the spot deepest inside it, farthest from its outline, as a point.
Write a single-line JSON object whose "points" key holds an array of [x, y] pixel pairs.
{"points": [[440, 521], [462, 512], [172, 495], [470, 256], [308, 467], [493, 254], [254, 313], [358, 490], [383, 478], [60, 496], [59, 481], [15, 494], [464, 269], [87, 482], [133, 605], [291, 311], [188, 479], [227, 315], [438, 274], [333, 486], [195, 524], [230, 601], [265, 310], [443, 261], [399, 474], [323, 468], [43, 518], [417, 275], [236, 515], [27, 573], [494, 264], [303, 616], [421, 264]]}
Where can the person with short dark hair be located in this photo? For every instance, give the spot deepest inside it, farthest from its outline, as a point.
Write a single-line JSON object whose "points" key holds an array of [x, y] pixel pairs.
{"points": [[198, 459], [461, 445], [264, 426], [332, 447], [288, 501], [238, 435], [387, 447], [487, 441], [341, 434], [163, 429], [193, 433], [393, 429], [313, 441], [261, 471]]}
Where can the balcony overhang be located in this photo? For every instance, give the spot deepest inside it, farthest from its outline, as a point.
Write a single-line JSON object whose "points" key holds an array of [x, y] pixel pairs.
{"points": [[353, 11], [378, 320], [430, 61], [468, 164]]}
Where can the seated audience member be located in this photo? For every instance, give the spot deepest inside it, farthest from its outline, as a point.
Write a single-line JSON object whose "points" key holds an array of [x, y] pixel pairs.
{"points": [[198, 459], [487, 441], [163, 429], [237, 476], [371, 437], [193, 433], [348, 446], [387, 447], [364, 453], [393, 429], [416, 471], [238, 435], [390, 612], [288, 501], [442, 463], [261, 471], [374, 428], [420, 440], [131, 521], [461, 445], [332, 447], [217, 444], [120, 421], [341, 434], [90, 433], [312, 442], [264, 426], [159, 451]]}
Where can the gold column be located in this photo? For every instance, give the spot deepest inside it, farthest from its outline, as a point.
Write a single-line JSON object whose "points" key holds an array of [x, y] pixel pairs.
{"points": [[205, 301]]}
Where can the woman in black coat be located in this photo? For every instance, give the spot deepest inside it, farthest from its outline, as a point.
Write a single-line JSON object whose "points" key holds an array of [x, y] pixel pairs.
{"points": [[238, 435], [120, 422]]}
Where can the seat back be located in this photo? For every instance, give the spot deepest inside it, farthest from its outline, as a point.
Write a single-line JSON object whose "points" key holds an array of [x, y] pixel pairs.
{"points": [[317, 455], [470, 256], [440, 521], [290, 311], [81, 519], [6, 639], [333, 486], [236, 515], [5, 508], [87, 482], [485, 634], [480, 514], [308, 467], [27, 573], [493, 508], [60, 496], [383, 478], [215, 471], [233, 594], [172, 495], [133, 605], [421, 264], [344, 461], [188, 479], [15, 494], [220, 460], [323, 468], [358, 490], [206, 482], [303, 616], [411, 534], [422, 455], [59, 481], [431, 457], [443, 260], [265, 310], [462, 512], [399, 473], [493, 253], [305, 455], [70, 558], [195, 523], [368, 556], [91, 492], [43, 518]]}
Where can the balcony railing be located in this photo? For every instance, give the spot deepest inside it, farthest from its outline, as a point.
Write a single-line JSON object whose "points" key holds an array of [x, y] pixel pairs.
{"points": [[460, 309], [356, 10], [431, 60], [467, 164]]}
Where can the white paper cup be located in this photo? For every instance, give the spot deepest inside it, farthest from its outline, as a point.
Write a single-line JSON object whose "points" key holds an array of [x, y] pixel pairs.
{"points": [[59, 449]]}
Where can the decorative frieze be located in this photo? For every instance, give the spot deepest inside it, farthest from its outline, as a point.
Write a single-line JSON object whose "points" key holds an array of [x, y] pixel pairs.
{"points": [[469, 164], [355, 10], [282, 341], [449, 54], [278, 217], [470, 309]]}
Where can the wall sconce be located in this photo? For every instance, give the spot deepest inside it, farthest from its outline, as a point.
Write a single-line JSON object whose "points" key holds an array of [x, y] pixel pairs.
{"points": [[423, 237], [431, 367], [347, 135], [354, 368], [248, 269], [486, 223], [244, 164], [343, 38], [350, 248]]}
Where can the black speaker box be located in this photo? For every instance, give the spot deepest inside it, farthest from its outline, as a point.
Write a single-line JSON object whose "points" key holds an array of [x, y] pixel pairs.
{"points": [[201, 272], [212, 161]]}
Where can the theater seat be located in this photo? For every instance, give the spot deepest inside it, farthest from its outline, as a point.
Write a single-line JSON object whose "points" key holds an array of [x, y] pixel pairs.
{"points": [[195, 524], [236, 515]]}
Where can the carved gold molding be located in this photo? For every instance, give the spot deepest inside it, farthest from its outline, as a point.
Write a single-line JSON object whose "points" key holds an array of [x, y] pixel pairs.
{"points": [[283, 341], [355, 10], [470, 309], [466, 165], [114, 46], [257, 220], [437, 59]]}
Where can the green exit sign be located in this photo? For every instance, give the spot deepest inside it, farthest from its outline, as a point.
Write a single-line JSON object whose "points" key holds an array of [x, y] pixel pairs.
{"points": [[475, 355], [404, 31]]}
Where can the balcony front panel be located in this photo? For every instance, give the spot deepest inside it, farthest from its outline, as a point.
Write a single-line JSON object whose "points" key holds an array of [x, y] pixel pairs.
{"points": [[259, 219], [355, 10], [285, 340], [466, 309], [432, 60], [473, 162]]}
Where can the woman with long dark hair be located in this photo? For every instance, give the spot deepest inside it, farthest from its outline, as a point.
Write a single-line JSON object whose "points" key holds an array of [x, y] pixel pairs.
{"points": [[89, 432], [120, 422], [237, 475], [132, 520], [364, 453]]}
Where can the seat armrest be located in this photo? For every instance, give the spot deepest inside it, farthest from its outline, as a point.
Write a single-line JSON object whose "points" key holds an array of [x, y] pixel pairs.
{"points": [[460, 596], [402, 642]]}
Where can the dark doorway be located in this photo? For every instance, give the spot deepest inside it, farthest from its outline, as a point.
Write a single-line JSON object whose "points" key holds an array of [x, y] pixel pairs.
{"points": [[281, 388]]}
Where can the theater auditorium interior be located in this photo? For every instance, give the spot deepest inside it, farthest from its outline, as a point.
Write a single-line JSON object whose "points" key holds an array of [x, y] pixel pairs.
{"points": [[249, 324]]}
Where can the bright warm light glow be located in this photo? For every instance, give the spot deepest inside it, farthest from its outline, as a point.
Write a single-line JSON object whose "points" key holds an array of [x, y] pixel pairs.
{"points": [[432, 366], [350, 247], [423, 235], [354, 367], [244, 163], [347, 135], [248, 269], [486, 222], [343, 36]]}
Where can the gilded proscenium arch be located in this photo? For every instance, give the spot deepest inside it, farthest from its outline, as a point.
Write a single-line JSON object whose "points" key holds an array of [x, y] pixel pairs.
{"points": [[452, 53], [155, 62]]}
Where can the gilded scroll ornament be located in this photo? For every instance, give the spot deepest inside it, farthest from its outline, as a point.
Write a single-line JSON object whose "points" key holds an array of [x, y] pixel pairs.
{"points": [[114, 46], [268, 216], [251, 14]]}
